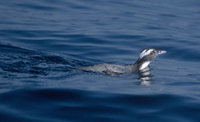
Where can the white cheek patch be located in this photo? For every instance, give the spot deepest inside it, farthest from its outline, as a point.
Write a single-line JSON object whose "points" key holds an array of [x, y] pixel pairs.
{"points": [[144, 65], [145, 52]]}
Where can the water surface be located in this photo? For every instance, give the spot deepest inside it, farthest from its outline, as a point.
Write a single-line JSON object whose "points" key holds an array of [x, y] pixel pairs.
{"points": [[41, 43]]}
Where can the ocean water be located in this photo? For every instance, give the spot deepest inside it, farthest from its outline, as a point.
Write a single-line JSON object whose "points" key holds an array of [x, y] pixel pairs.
{"points": [[42, 42]]}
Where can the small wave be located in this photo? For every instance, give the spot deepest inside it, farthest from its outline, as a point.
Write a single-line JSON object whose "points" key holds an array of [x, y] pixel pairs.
{"points": [[19, 60], [67, 104]]}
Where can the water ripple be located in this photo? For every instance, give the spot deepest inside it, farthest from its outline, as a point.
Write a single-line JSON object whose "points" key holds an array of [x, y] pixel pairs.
{"points": [[57, 103]]}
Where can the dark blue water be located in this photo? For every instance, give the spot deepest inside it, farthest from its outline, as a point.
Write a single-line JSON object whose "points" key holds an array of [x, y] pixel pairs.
{"points": [[41, 43]]}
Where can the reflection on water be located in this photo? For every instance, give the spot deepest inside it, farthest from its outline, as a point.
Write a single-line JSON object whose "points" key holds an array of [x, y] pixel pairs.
{"points": [[145, 77]]}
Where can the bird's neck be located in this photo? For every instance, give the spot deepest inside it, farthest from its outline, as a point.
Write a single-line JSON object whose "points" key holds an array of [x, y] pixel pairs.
{"points": [[139, 65], [142, 64]]}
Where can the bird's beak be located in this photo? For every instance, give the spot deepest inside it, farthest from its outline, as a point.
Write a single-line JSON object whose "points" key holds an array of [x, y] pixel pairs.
{"points": [[161, 51]]}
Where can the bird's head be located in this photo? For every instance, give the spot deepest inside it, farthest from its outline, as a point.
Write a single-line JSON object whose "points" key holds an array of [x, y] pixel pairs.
{"points": [[147, 55]]}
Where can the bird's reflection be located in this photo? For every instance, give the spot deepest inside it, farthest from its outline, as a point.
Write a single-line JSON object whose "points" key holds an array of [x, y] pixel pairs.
{"points": [[145, 77]]}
